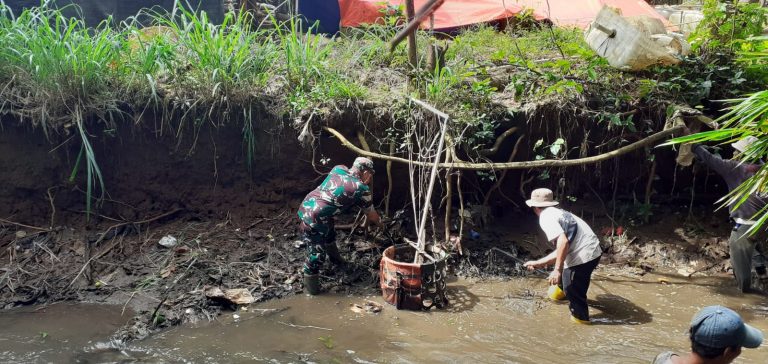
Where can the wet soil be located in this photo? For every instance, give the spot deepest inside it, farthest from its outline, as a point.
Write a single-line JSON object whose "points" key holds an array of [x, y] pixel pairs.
{"points": [[166, 286]]}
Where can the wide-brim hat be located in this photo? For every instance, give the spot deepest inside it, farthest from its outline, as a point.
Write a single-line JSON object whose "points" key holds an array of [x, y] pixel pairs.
{"points": [[541, 197]]}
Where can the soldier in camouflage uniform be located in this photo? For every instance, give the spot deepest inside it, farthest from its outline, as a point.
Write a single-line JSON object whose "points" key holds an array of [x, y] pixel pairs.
{"points": [[342, 189]]}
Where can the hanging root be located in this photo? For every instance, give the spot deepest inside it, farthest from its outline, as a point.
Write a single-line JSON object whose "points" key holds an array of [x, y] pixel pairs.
{"points": [[503, 175]]}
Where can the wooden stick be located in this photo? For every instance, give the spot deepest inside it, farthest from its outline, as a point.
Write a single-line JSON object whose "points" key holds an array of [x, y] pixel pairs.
{"points": [[410, 12], [545, 163], [425, 11], [389, 179], [422, 238], [22, 225], [305, 326], [461, 214], [449, 196]]}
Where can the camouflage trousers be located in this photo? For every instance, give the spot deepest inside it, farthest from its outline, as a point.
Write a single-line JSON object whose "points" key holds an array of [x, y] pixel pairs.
{"points": [[319, 247]]}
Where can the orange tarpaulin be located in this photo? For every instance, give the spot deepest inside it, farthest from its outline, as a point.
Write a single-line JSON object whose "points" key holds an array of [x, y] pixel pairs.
{"points": [[459, 13], [580, 13], [452, 14]]}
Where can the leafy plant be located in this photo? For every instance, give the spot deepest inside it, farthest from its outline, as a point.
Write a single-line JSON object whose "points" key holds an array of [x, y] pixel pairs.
{"points": [[725, 25], [744, 117]]}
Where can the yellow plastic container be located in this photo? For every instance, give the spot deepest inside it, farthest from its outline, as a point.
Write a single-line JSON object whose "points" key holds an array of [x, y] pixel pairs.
{"points": [[555, 293]]}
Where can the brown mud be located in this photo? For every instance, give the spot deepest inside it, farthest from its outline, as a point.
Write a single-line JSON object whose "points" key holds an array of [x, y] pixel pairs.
{"points": [[235, 224]]}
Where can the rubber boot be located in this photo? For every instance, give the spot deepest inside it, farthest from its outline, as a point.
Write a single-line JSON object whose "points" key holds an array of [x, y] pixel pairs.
{"points": [[312, 284], [579, 321]]}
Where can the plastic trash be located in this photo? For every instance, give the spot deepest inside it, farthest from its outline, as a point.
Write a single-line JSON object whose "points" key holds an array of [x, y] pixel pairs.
{"points": [[168, 241], [625, 46]]}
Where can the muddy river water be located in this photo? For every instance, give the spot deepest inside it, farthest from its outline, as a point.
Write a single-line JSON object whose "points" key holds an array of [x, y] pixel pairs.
{"points": [[499, 321]]}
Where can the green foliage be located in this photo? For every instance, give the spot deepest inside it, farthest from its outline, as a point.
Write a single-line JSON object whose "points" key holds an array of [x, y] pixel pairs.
{"points": [[726, 25], [696, 79], [616, 120], [485, 44], [222, 55], [553, 150], [746, 116]]}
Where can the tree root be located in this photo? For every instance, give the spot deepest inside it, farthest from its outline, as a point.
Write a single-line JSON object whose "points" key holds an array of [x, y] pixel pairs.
{"points": [[503, 174], [493, 150], [650, 140]]}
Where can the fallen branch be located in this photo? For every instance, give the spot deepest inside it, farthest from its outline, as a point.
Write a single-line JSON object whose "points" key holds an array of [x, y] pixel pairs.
{"points": [[305, 326], [23, 225], [545, 163], [158, 217]]}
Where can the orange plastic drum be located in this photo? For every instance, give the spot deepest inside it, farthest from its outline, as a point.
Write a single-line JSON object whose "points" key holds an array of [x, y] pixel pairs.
{"points": [[412, 286]]}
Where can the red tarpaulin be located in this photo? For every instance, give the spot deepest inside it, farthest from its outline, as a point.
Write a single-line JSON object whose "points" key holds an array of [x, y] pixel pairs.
{"points": [[459, 13], [452, 14], [580, 13]]}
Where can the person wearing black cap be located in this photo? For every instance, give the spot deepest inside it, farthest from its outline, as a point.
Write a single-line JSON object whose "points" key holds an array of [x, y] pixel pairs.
{"points": [[341, 190], [717, 335], [576, 255]]}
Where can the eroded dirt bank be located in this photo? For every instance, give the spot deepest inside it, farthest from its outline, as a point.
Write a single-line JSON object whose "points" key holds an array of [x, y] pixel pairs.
{"points": [[234, 225]]}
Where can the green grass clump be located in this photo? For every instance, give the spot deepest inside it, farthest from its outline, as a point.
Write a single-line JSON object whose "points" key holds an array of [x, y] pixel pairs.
{"points": [[58, 71]]}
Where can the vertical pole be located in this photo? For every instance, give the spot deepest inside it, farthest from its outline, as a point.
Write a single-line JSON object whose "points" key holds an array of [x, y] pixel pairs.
{"points": [[410, 14], [422, 234]]}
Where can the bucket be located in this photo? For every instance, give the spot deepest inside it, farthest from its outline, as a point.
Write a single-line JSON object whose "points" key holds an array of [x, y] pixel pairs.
{"points": [[413, 286]]}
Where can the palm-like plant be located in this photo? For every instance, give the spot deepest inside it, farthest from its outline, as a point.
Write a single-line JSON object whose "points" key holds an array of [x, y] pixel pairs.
{"points": [[747, 116]]}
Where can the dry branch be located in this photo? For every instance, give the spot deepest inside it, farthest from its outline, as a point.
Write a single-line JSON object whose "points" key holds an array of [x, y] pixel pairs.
{"points": [[545, 163]]}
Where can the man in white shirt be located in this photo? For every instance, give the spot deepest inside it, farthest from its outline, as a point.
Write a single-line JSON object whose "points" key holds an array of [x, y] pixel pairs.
{"points": [[577, 251]]}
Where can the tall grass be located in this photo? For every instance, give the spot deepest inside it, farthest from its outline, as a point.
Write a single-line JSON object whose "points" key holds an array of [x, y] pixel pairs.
{"points": [[313, 77], [61, 71], [221, 56]]}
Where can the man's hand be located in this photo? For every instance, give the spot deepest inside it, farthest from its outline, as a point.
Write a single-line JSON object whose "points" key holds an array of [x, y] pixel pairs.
{"points": [[554, 277], [531, 265]]}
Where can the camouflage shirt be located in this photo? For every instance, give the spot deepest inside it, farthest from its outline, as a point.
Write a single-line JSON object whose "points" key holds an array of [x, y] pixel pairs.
{"points": [[338, 193]]}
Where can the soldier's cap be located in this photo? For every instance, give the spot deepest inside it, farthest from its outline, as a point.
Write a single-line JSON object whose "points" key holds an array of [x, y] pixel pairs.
{"points": [[363, 164], [721, 327]]}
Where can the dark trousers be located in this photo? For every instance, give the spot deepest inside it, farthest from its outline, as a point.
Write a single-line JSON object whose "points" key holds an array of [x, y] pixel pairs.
{"points": [[575, 285], [746, 251]]}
